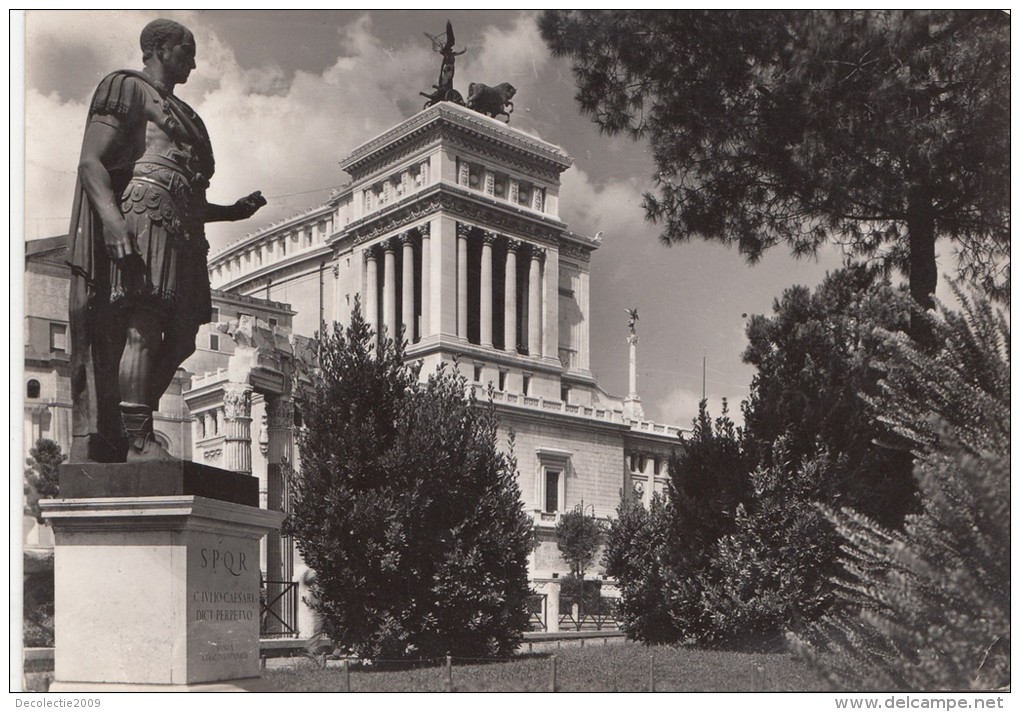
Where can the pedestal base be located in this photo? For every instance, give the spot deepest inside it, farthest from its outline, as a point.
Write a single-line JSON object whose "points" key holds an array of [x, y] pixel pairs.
{"points": [[249, 684], [157, 592]]}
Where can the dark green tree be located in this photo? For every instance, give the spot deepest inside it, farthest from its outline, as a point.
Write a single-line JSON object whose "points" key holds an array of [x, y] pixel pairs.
{"points": [[709, 477], [636, 556], [928, 608], [815, 361], [772, 573], [405, 508], [41, 477], [882, 131], [578, 538], [662, 557]]}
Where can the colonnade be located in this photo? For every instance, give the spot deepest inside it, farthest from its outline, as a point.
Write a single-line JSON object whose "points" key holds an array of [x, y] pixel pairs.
{"points": [[518, 304]]}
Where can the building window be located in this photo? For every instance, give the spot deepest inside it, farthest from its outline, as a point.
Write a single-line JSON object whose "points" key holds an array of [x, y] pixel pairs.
{"points": [[502, 380], [565, 393], [214, 342], [273, 321], [215, 315], [34, 389], [552, 491], [58, 337], [552, 475], [657, 466], [526, 386], [478, 373]]}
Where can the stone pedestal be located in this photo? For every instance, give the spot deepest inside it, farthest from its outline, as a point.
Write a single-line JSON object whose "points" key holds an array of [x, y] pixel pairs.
{"points": [[156, 591]]}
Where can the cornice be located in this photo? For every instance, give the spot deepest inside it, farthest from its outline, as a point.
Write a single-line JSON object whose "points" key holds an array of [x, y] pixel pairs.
{"points": [[267, 270], [539, 416], [459, 120]]}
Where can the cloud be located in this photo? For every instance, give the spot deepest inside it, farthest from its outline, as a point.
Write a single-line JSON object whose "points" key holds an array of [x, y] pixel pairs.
{"points": [[516, 55], [680, 407], [613, 208]]}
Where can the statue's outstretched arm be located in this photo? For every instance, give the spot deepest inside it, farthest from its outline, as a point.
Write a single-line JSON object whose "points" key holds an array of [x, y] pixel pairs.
{"points": [[98, 150], [243, 209]]}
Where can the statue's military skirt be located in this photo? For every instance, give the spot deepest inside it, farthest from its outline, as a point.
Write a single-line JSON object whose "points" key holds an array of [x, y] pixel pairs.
{"points": [[169, 276]]}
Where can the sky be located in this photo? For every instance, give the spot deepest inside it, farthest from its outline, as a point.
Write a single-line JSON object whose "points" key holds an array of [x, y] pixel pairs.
{"points": [[286, 95]]}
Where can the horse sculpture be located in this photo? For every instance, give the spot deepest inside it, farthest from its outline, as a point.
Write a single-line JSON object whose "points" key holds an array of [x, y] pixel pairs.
{"points": [[491, 101]]}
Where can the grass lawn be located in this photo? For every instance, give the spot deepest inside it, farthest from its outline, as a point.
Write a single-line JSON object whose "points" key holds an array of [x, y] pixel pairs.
{"points": [[623, 667]]}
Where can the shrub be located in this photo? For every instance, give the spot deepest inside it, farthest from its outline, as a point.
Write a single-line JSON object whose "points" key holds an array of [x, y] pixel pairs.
{"points": [[635, 557], [405, 509], [928, 608], [709, 479], [771, 574]]}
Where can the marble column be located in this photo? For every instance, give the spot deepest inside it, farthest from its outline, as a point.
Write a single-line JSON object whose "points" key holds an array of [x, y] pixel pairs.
{"points": [[462, 269], [535, 302], [632, 403], [510, 297], [407, 287], [390, 289], [488, 238], [551, 304], [372, 289], [425, 231], [237, 427]]}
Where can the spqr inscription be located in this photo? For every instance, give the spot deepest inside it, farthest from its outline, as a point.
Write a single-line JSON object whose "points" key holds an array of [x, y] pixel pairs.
{"points": [[233, 563]]}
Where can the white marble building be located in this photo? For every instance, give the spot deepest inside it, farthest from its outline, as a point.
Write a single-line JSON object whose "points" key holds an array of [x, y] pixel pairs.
{"points": [[450, 230]]}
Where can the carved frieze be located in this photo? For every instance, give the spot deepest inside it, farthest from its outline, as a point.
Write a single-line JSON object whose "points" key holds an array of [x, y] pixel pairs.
{"points": [[461, 206], [575, 252]]}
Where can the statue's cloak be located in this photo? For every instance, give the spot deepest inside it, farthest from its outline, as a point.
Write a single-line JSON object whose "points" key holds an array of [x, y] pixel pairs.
{"points": [[96, 343]]}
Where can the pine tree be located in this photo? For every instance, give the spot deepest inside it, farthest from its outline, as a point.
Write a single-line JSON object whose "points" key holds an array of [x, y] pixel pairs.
{"points": [[815, 358], [405, 508], [879, 130], [928, 608]]}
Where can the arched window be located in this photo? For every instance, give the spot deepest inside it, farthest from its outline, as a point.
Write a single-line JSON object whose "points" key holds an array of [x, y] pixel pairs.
{"points": [[34, 389]]}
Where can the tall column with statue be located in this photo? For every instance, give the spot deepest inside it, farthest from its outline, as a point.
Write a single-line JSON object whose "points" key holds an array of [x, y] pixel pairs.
{"points": [[632, 403]]}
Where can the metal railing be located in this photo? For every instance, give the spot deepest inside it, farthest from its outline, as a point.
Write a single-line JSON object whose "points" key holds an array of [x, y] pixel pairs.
{"points": [[279, 613], [581, 617], [537, 611]]}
